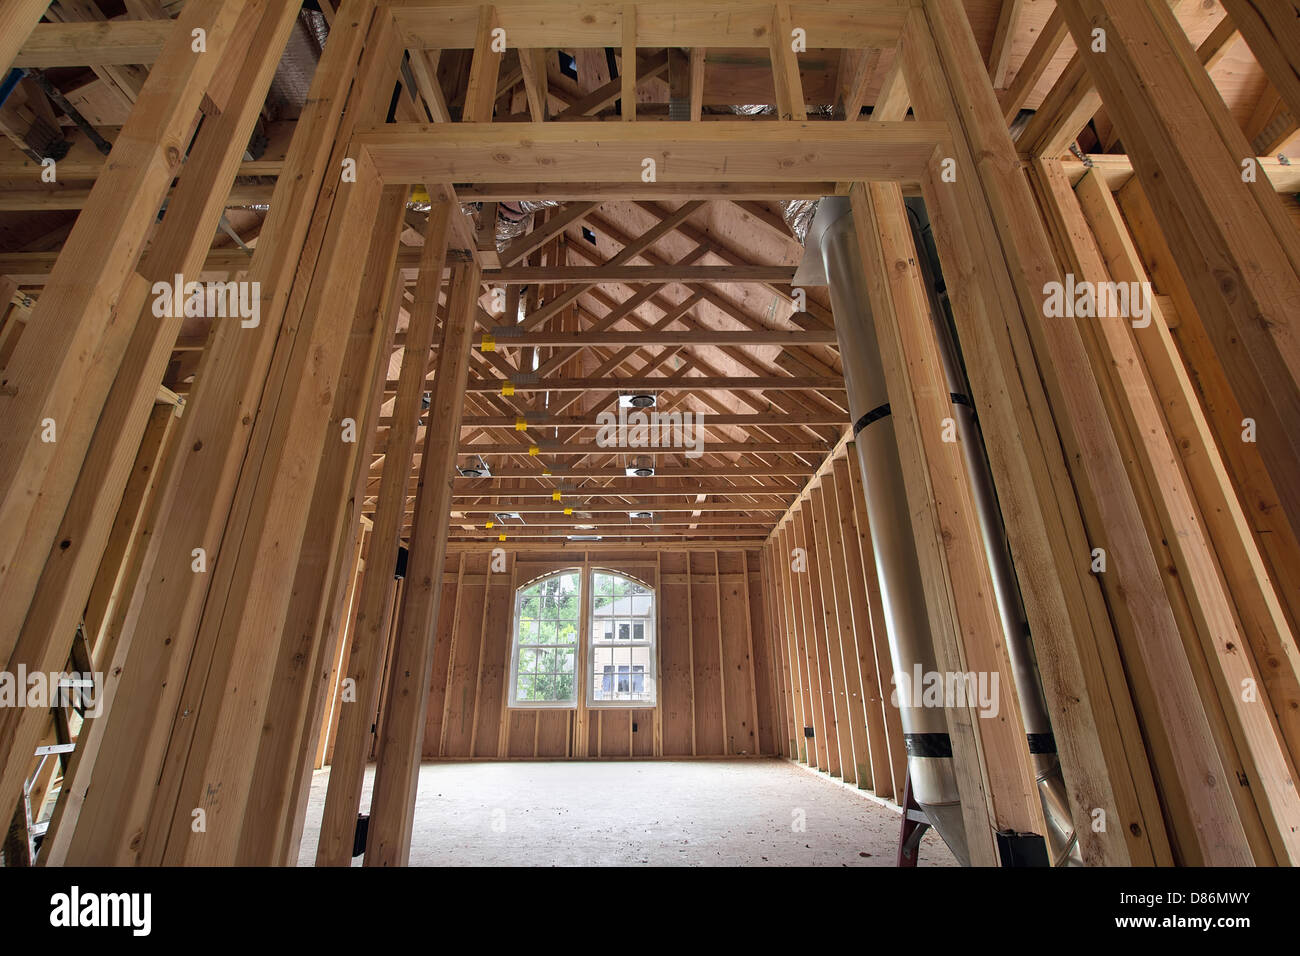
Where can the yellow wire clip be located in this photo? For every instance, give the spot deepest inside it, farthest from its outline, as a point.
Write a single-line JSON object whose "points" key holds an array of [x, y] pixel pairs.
{"points": [[489, 343]]}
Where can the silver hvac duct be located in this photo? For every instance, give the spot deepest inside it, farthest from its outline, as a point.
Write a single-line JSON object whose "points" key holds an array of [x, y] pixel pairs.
{"points": [[833, 249], [832, 259], [1063, 844]]}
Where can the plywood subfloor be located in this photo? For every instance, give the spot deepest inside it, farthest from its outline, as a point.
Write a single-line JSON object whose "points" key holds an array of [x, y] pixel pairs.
{"points": [[628, 813]]}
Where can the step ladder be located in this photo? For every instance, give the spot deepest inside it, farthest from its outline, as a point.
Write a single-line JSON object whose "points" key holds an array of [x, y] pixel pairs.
{"points": [[914, 825]]}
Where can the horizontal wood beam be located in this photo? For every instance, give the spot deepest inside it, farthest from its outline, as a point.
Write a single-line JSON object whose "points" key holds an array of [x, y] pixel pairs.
{"points": [[94, 43], [830, 24], [620, 488], [542, 524], [1116, 170], [557, 275], [681, 152], [44, 198], [697, 383], [699, 336], [655, 192], [663, 471], [645, 530], [707, 447], [603, 507], [704, 419], [579, 547]]}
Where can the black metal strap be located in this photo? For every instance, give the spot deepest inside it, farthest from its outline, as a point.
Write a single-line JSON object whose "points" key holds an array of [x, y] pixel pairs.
{"points": [[1042, 743], [928, 745], [877, 413]]}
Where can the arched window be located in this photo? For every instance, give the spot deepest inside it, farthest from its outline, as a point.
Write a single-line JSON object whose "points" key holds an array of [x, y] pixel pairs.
{"points": [[548, 616], [622, 640], [603, 627]]}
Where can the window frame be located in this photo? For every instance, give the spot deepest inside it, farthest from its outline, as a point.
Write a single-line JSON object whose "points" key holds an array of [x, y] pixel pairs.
{"points": [[515, 646], [651, 674], [584, 697]]}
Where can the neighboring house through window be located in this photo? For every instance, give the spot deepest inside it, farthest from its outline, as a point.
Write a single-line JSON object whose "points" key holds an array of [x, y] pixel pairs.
{"points": [[548, 651]]}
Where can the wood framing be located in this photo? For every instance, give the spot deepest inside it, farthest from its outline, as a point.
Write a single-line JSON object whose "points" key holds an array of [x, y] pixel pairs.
{"points": [[326, 329]]}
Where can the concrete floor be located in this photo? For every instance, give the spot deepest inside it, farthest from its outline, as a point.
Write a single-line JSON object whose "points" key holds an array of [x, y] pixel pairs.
{"points": [[627, 813]]}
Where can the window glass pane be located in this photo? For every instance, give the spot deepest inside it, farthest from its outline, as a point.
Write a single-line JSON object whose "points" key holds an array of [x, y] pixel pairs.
{"points": [[622, 634], [546, 632], [620, 659]]}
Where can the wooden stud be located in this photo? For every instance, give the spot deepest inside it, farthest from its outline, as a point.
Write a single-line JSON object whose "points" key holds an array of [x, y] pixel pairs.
{"points": [[1189, 153], [323, 566], [1043, 534], [56, 381], [859, 640], [141, 345], [1000, 52], [17, 22], [994, 773], [401, 744], [480, 98], [533, 64], [627, 73], [850, 720], [698, 59], [347, 775], [1035, 65], [1262, 747], [785, 66]]}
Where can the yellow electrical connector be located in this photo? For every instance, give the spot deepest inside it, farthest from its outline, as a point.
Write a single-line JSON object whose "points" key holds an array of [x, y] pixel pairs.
{"points": [[501, 537], [568, 511], [489, 524], [507, 389], [521, 424], [555, 496], [489, 343], [533, 449]]}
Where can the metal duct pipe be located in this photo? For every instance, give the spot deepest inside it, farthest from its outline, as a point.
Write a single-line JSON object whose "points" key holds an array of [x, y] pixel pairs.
{"points": [[1061, 837], [833, 247]]}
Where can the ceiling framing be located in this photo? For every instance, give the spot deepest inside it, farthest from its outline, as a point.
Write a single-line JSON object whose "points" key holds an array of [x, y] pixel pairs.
{"points": [[624, 285]]}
